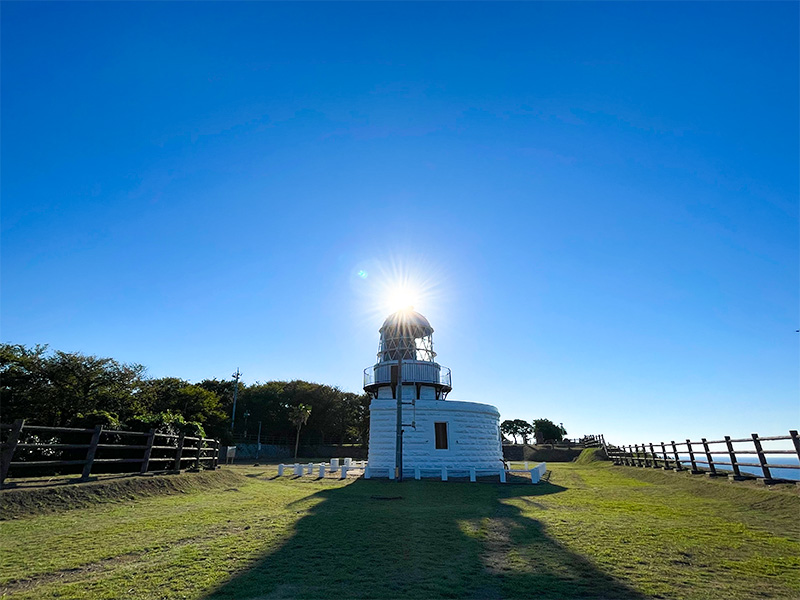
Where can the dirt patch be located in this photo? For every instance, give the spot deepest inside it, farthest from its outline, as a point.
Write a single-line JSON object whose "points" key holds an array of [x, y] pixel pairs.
{"points": [[23, 502]]}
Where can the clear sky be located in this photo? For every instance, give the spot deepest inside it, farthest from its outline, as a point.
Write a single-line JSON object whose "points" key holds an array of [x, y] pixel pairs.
{"points": [[598, 202]]}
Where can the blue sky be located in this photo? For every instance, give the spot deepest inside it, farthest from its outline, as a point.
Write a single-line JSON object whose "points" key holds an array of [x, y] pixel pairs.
{"points": [[599, 201]]}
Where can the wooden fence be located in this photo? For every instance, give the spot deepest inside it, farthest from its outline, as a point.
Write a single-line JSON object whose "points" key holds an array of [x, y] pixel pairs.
{"points": [[668, 456], [29, 450]]}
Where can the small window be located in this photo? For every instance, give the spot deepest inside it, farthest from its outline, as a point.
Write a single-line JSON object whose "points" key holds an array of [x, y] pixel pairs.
{"points": [[441, 435]]}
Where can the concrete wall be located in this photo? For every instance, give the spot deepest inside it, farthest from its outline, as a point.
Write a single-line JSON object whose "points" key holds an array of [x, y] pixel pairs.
{"points": [[472, 428], [521, 452], [250, 451]]}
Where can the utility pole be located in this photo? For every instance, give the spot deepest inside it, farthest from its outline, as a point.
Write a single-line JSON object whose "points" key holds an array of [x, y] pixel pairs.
{"points": [[235, 395], [398, 459]]}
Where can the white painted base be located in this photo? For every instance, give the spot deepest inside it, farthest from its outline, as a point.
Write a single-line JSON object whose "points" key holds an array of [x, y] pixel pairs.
{"points": [[473, 432]]}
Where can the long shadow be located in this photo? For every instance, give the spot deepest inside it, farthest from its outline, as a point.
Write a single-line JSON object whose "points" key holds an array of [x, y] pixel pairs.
{"points": [[423, 539]]}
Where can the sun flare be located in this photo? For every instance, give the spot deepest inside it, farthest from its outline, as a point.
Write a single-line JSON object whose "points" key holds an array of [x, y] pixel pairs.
{"points": [[386, 286], [400, 297]]}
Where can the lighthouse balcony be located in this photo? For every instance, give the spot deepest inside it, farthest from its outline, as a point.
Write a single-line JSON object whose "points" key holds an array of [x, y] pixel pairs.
{"points": [[414, 371]]}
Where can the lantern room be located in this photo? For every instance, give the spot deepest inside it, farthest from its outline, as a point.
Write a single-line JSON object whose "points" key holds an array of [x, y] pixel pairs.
{"points": [[408, 336]]}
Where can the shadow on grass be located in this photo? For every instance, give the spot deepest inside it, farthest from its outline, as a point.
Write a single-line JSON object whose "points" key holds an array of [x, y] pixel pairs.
{"points": [[423, 539]]}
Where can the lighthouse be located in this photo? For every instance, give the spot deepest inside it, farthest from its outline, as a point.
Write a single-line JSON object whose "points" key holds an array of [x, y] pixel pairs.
{"points": [[412, 423]]}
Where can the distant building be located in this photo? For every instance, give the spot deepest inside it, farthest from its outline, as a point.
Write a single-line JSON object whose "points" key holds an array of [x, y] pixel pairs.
{"points": [[436, 432]]}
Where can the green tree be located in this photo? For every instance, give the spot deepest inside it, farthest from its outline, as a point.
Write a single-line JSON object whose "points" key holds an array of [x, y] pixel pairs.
{"points": [[510, 428], [299, 416], [548, 431], [192, 402], [52, 389], [524, 429]]}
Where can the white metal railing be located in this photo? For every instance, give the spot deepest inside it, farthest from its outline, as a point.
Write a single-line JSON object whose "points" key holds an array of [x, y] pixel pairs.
{"points": [[322, 469], [415, 371]]}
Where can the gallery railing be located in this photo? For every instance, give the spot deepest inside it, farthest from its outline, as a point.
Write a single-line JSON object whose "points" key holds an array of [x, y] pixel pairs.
{"points": [[413, 370]]}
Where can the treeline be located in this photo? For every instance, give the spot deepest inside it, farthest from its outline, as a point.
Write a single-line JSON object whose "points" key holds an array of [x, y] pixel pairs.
{"points": [[63, 389], [544, 430]]}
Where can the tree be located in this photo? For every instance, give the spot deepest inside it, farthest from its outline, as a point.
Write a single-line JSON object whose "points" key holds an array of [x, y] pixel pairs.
{"points": [[53, 388], [510, 428], [524, 429], [548, 431], [299, 416], [192, 402]]}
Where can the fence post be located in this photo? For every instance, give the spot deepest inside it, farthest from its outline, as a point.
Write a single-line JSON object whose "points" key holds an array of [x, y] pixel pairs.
{"points": [[694, 470], [628, 455], [87, 466], [665, 466], [215, 460], [732, 454], [10, 448], [652, 456], [199, 453], [147, 452], [678, 466], [761, 458], [179, 453], [663, 459], [712, 470], [795, 441]]}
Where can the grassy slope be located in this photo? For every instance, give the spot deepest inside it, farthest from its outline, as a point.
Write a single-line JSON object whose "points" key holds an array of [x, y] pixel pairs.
{"points": [[595, 531]]}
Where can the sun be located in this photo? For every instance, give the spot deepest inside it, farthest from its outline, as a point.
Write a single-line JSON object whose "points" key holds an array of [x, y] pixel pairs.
{"points": [[392, 284], [401, 297]]}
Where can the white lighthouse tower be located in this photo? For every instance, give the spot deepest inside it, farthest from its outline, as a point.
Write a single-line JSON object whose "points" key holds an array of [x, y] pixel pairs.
{"points": [[433, 432]]}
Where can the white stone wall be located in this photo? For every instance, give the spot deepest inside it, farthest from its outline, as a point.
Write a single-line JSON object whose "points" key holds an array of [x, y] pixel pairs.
{"points": [[473, 435]]}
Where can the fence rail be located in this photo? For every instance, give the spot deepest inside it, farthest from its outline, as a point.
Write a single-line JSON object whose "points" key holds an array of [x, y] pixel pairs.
{"points": [[587, 441], [28, 448], [668, 455]]}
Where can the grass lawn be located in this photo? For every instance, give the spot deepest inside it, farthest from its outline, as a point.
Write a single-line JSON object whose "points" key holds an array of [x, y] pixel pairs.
{"points": [[593, 531]]}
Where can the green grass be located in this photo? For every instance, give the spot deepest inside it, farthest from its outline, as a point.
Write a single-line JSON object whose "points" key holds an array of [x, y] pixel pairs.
{"points": [[593, 531]]}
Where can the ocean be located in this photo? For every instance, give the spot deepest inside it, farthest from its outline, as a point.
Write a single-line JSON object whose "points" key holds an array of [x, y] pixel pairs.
{"points": [[753, 468]]}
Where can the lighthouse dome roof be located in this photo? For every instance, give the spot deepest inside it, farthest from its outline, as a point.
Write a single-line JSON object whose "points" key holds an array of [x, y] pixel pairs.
{"points": [[408, 320]]}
